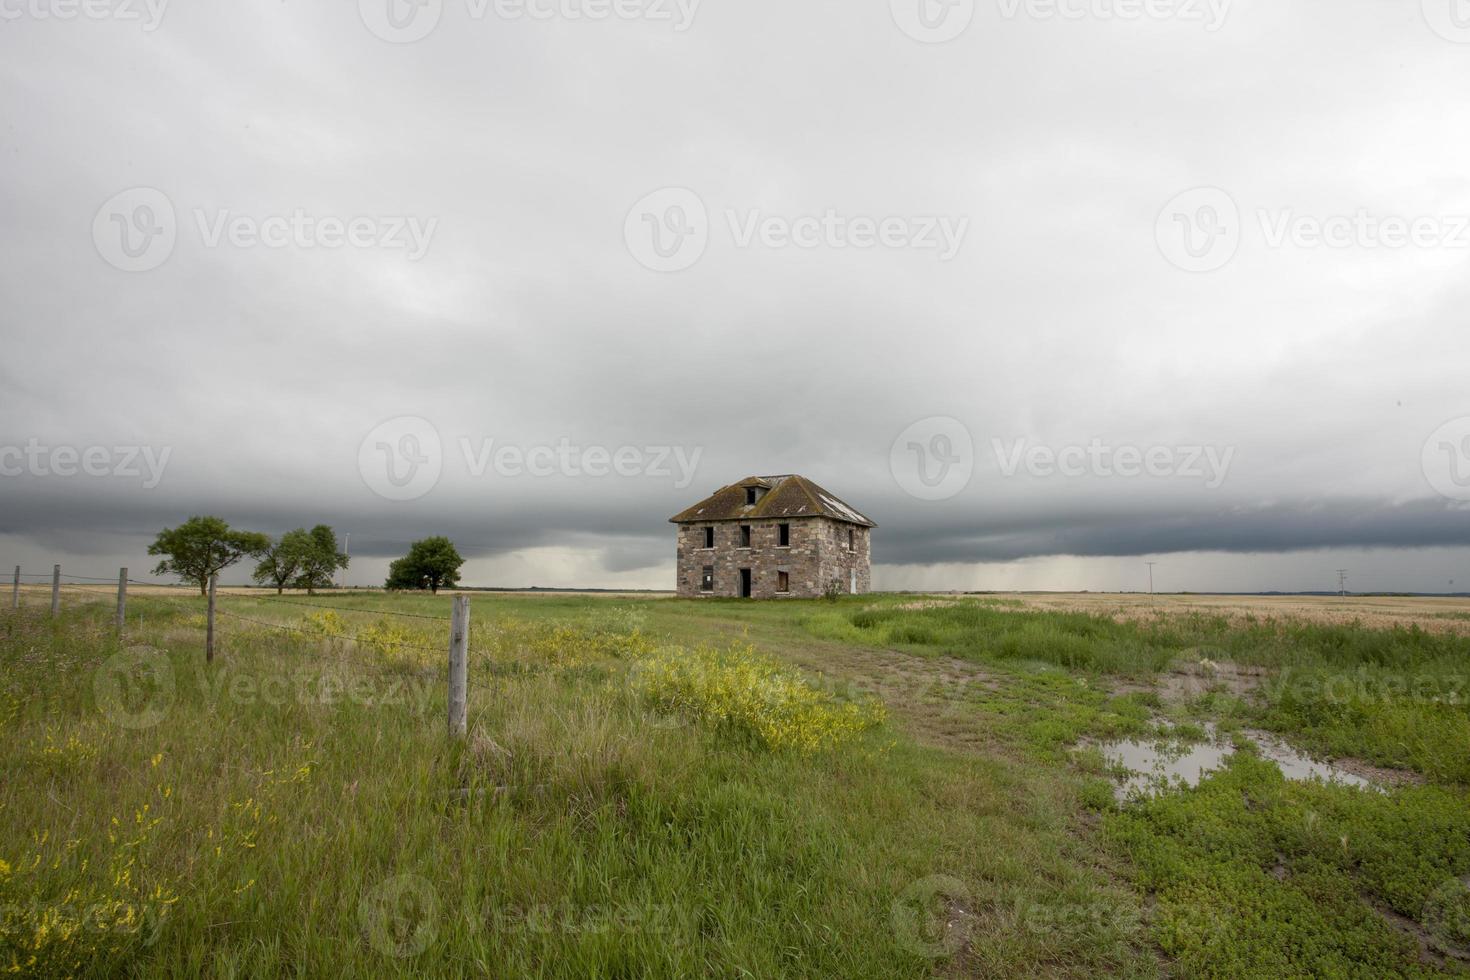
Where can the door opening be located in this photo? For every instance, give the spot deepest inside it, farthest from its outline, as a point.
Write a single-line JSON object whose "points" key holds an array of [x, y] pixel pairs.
{"points": [[745, 583]]}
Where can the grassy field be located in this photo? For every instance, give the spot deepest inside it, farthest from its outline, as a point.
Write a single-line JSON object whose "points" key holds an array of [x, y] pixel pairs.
{"points": [[876, 787]]}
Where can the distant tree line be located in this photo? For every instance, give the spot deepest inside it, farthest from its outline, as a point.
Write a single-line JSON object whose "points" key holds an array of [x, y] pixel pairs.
{"points": [[205, 546]]}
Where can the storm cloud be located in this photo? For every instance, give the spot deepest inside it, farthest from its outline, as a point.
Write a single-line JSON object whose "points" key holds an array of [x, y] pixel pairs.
{"points": [[266, 242]]}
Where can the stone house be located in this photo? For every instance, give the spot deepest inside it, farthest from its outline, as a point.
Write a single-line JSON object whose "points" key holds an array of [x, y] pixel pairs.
{"points": [[770, 537]]}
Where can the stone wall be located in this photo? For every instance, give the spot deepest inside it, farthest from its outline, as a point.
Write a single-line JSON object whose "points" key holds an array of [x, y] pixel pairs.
{"points": [[818, 553]]}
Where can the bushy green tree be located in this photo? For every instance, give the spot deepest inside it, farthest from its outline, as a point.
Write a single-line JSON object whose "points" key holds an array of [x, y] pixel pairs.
{"points": [[204, 546], [322, 560], [280, 564], [431, 564]]}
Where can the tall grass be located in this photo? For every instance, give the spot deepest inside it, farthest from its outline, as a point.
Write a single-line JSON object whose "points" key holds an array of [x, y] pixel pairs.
{"points": [[297, 808]]}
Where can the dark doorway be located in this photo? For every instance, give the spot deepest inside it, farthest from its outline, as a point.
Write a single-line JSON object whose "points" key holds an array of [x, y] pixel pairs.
{"points": [[745, 583]]}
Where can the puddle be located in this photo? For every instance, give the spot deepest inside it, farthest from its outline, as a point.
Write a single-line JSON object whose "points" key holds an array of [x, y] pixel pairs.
{"points": [[1157, 766]]}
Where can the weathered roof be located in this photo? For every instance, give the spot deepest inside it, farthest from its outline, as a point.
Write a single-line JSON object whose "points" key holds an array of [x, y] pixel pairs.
{"points": [[788, 496]]}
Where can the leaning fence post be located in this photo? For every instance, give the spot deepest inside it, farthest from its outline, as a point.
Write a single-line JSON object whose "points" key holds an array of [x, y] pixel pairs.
{"points": [[15, 593], [459, 645], [56, 592], [209, 622], [122, 597]]}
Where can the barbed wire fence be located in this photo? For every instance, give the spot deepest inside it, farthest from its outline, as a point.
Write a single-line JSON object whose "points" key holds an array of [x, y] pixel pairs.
{"points": [[89, 586]]}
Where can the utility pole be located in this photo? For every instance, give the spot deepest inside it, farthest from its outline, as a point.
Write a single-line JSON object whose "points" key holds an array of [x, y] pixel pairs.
{"points": [[1342, 582], [1150, 565]]}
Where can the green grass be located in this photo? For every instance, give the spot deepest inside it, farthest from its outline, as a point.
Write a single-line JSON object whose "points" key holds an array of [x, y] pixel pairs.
{"points": [[297, 807]]}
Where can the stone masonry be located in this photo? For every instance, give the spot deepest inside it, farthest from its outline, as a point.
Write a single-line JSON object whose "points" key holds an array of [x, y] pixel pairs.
{"points": [[834, 544]]}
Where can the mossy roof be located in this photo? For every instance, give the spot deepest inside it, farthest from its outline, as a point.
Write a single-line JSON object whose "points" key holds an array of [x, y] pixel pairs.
{"points": [[789, 497]]}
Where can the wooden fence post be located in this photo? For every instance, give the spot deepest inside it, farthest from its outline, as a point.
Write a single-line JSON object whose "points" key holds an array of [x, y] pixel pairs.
{"points": [[459, 646], [209, 622], [56, 592], [15, 595], [122, 597]]}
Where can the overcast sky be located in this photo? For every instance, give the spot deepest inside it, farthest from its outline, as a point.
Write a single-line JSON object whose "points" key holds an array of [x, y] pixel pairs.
{"points": [[1048, 289]]}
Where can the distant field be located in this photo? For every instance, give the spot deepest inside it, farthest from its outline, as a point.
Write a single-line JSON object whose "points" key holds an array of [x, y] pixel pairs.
{"points": [[1374, 612], [887, 786]]}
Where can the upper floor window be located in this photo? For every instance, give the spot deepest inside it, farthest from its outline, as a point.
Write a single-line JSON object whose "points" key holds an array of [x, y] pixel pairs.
{"points": [[709, 537], [851, 539], [783, 535], [752, 494], [745, 535]]}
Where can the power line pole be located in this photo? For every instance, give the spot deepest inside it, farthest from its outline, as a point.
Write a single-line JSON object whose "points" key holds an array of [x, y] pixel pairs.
{"points": [[1342, 582], [346, 550], [1150, 565]]}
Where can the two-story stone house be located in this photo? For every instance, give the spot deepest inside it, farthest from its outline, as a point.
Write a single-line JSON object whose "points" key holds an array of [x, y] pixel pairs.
{"points": [[772, 537]]}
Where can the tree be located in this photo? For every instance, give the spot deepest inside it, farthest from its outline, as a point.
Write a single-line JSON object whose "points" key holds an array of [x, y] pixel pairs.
{"points": [[281, 563], [430, 564], [322, 560], [204, 546]]}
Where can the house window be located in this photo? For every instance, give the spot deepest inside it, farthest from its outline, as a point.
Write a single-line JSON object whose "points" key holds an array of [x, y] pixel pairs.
{"points": [[745, 535], [751, 495], [709, 537], [783, 581], [783, 535], [851, 540], [707, 580]]}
